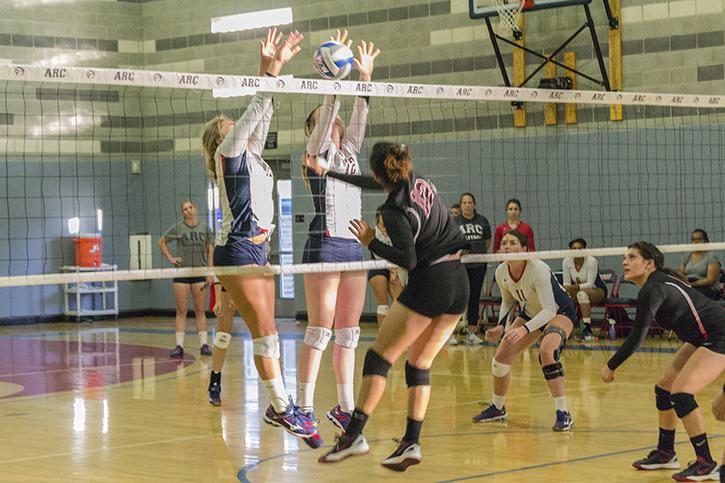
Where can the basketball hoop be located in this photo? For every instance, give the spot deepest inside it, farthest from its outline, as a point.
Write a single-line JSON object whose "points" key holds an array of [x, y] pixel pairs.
{"points": [[509, 12]]}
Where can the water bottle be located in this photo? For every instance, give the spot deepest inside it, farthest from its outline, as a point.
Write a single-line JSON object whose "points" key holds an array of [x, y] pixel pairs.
{"points": [[612, 329]]}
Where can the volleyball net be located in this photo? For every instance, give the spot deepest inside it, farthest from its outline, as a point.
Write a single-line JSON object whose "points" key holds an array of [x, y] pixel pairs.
{"points": [[110, 154]]}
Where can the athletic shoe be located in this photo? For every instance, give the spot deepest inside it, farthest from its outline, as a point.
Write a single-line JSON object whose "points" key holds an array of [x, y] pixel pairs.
{"points": [[452, 340], [315, 441], [346, 446], [177, 352], [205, 350], [407, 454], [699, 470], [563, 421], [215, 391], [657, 460], [491, 413], [473, 339], [291, 420], [586, 336], [338, 417]]}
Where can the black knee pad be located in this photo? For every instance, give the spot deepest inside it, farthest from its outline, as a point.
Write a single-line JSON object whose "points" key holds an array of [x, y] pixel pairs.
{"points": [[552, 371], [663, 399], [375, 365], [415, 376], [684, 403]]}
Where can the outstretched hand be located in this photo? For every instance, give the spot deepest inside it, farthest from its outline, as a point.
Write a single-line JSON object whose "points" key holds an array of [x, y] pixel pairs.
{"points": [[285, 52], [341, 37], [365, 62], [268, 49], [362, 231]]}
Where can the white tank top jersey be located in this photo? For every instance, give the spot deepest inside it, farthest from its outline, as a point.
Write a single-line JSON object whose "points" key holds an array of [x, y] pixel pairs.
{"points": [[536, 292], [342, 201], [245, 180]]}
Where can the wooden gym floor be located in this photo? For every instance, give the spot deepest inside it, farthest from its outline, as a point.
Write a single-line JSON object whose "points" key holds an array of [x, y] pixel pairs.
{"points": [[103, 402]]}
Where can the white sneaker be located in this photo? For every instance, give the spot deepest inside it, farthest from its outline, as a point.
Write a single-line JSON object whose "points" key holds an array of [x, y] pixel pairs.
{"points": [[407, 454], [452, 340], [473, 339], [344, 448]]}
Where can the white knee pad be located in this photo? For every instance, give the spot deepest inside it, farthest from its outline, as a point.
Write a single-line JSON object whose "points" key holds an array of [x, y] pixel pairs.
{"points": [[347, 337], [222, 340], [267, 346], [498, 369], [382, 310], [317, 337], [582, 297]]}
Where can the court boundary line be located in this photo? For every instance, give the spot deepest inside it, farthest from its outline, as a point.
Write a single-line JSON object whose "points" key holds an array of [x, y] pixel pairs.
{"points": [[244, 471]]}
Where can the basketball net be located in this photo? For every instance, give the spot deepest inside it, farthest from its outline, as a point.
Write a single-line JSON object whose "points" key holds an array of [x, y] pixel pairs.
{"points": [[509, 12]]}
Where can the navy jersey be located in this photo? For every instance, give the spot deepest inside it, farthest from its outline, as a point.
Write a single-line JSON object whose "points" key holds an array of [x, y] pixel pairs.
{"points": [[245, 180], [336, 202]]}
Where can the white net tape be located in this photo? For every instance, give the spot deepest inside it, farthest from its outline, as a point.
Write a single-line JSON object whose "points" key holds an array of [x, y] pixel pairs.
{"points": [[509, 12], [166, 273]]}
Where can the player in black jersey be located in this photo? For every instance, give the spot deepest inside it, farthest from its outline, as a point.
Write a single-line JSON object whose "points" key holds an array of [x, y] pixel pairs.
{"points": [[426, 242], [700, 324]]}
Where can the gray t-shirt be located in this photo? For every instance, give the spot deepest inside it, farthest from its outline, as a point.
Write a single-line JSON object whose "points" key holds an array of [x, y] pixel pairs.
{"points": [[192, 243], [697, 270]]}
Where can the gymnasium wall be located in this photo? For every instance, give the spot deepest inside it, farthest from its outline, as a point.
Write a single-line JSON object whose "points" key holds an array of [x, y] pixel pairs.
{"points": [[673, 46]]}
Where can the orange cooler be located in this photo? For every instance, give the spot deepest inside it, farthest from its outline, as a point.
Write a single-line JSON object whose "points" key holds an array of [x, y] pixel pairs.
{"points": [[88, 250]]}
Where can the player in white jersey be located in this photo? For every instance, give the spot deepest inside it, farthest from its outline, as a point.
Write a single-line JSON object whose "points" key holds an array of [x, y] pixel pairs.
{"points": [[385, 282], [233, 156], [334, 297], [583, 284], [546, 310]]}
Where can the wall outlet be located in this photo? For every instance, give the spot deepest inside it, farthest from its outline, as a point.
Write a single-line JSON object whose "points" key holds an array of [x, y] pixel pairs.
{"points": [[136, 166]]}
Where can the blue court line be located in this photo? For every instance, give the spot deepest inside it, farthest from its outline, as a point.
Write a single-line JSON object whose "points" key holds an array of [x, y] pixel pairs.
{"points": [[563, 462], [242, 473]]}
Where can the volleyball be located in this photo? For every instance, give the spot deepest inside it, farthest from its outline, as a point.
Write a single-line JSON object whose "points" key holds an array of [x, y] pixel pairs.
{"points": [[333, 60]]}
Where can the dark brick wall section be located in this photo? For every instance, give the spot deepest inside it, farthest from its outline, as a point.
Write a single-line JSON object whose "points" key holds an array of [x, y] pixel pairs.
{"points": [[58, 94], [710, 72]]}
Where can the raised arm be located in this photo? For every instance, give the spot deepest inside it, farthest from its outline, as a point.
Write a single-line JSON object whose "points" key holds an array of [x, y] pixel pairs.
{"points": [[355, 132], [321, 137], [359, 180]]}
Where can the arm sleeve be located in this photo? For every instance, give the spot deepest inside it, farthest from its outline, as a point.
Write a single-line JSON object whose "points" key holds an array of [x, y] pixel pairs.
{"points": [[171, 233], [355, 132], [486, 229], [648, 302], [497, 240], [507, 300], [566, 272], [321, 136], [592, 272], [259, 135], [402, 252], [542, 280], [361, 181], [238, 139], [530, 236]]}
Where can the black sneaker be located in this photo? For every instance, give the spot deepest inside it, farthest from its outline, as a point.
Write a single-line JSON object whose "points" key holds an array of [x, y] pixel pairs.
{"points": [[657, 460], [699, 470], [215, 391], [407, 454], [205, 350], [177, 352]]}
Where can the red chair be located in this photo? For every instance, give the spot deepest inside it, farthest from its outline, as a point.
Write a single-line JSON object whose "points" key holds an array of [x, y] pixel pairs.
{"points": [[615, 306], [489, 302]]}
